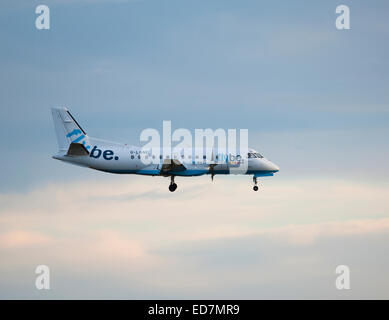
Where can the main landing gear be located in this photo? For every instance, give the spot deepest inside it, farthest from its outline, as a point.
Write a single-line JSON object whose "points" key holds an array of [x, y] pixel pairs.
{"points": [[173, 186], [255, 188]]}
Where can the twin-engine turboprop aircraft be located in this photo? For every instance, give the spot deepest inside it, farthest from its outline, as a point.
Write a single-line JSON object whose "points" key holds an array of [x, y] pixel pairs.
{"points": [[76, 147]]}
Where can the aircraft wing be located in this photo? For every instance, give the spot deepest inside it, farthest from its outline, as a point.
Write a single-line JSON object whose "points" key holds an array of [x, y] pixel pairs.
{"points": [[172, 165]]}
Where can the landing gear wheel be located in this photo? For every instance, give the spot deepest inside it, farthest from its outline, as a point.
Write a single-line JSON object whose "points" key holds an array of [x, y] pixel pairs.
{"points": [[255, 188], [172, 187]]}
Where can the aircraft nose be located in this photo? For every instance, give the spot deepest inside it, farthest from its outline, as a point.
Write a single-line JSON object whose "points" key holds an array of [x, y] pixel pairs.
{"points": [[274, 167]]}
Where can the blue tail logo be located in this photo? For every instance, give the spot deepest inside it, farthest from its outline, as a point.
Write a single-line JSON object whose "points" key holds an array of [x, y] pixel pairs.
{"points": [[76, 132]]}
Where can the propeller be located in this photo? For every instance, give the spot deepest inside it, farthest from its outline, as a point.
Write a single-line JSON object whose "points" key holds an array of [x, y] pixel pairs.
{"points": [[211, 166]]}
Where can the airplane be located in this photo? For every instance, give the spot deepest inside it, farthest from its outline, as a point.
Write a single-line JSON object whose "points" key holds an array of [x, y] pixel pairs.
{"points": [[76, 147]]}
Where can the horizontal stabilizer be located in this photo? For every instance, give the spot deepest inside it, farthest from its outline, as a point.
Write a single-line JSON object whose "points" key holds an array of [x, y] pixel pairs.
{"points": [[77, 149]]}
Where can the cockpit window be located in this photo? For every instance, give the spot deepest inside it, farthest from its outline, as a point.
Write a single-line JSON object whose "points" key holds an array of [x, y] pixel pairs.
{"points": [[252, 155]]}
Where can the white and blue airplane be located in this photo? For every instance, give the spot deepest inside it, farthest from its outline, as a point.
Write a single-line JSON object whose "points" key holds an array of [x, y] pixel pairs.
{"points": [[76, 147]]}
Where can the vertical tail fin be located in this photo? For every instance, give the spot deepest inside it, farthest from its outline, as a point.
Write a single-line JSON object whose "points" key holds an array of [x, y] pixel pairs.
{"points": [[68, 130]]}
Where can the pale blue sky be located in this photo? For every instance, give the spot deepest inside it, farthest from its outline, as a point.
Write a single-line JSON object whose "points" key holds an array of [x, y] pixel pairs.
{"points": [[315, 101], [272, 67]]}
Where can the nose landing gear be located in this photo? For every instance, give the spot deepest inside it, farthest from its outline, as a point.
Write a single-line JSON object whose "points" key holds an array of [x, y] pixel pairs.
{"points": [[173, 186], [255, 188]]}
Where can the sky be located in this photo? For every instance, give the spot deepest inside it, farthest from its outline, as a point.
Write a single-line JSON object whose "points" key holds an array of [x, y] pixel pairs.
{"points": [[314, 99]]}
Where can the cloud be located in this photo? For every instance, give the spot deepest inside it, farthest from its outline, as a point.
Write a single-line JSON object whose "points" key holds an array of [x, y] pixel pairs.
{"points": [[130, 237], [22, 238], [122, 200], [309, 234]]}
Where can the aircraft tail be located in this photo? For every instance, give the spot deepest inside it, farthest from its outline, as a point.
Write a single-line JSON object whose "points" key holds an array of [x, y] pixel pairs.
{"points": [[68, 130]]}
